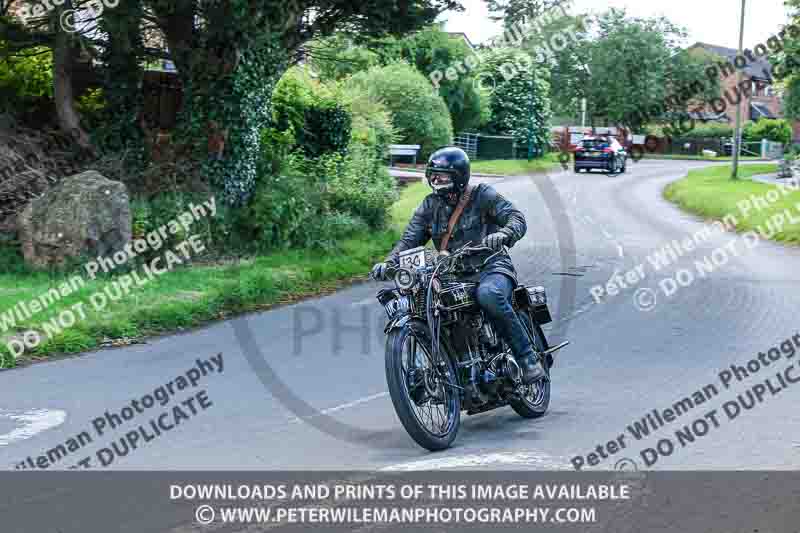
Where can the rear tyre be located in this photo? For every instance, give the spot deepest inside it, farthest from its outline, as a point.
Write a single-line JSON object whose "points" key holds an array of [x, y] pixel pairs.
{"points": [[425, 401], [536, 398]]}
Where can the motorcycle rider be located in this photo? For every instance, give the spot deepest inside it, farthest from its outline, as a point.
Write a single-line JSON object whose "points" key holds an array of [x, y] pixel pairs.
{"points": [[487, 217]]}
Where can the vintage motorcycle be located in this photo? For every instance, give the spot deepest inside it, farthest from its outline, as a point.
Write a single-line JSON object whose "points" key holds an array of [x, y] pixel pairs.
{"points": [[443, 354]]}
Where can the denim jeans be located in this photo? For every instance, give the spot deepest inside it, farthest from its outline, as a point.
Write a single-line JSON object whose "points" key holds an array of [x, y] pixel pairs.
{"points": [[494, 297]]}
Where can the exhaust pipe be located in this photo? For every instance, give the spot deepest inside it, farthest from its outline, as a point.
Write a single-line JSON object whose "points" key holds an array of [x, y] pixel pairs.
{"points": [[554, 349]]}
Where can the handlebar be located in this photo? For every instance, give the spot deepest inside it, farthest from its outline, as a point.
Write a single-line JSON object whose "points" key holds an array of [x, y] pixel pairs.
{"points": [[467, 249]]}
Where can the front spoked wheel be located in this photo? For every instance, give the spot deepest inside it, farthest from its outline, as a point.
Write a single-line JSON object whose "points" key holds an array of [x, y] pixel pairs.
{"points": [[424, 391], [535, 398]]}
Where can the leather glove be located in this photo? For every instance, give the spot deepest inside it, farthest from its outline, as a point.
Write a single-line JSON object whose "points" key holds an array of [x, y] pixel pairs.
{"points": [[379, 271], [495, 241]]}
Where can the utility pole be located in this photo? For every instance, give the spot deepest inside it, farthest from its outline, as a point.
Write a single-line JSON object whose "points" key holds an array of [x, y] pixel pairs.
{"points": [[583, 112], [738, 133]]}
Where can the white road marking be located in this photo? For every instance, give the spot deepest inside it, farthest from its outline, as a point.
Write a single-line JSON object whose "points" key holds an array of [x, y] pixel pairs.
{"points": [[481, 460], [354, 403], [365, 301], [620, 250], [35, 421]]}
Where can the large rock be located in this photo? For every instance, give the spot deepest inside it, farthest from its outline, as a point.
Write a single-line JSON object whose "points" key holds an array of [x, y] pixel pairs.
{"points": [[84, 216]]}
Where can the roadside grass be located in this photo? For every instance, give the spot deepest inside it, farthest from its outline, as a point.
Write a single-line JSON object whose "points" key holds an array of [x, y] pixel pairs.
{"points": [[516, 167], [712, 194], [411, 196], [192, 296], [700, 157], [505, 167]]}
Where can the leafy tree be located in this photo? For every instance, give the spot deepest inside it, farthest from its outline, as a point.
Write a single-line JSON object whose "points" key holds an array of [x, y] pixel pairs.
{"points": [[431, 50], [434, 52], [521, 99], [638, 72], [519, 12], [337, 57], [569, 73], [418, 112], [786, 60], [26, 77], [230, 54], [791, 97]]}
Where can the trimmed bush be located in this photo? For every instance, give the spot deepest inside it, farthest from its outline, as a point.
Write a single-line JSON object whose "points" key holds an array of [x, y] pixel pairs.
{"points": [[217, 232], [418, 112], [316, 202], [282, 211], [323, 178], [361, 184], [434, 52], [372, 120], [776, 130], [293, 94], [710, 130], [327, 128], [319, 121]]}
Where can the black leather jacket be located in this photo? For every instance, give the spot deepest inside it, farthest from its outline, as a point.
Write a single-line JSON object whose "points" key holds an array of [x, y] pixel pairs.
{"points": [[487, 212]]}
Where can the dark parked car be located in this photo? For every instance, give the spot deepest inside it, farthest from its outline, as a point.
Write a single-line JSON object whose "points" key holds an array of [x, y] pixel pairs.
{"points": [[600, 152]]}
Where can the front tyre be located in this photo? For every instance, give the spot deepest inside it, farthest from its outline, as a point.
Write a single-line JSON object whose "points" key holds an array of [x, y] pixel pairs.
{"points": [[535, 399], [422, 391]]}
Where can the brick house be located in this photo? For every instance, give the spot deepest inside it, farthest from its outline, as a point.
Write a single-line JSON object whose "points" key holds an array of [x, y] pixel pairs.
{"points": [[764, 100]]}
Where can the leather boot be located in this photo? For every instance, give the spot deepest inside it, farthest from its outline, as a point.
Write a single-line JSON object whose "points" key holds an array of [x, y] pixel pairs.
{"points": [[532, 369]]}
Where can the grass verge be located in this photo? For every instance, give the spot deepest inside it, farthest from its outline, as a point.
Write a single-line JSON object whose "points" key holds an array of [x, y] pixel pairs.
{"points": [[516, 167], [712, 194], [699, 157], [188, 297], [505, 167]]}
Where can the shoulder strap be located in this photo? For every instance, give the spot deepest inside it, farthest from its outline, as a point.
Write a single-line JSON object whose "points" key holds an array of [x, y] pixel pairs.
{"points": [[451, 225]]}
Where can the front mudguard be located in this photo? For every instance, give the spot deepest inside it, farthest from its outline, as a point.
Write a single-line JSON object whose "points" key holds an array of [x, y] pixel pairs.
{"points": [[396, 323], [417, 326], [421, 329]]}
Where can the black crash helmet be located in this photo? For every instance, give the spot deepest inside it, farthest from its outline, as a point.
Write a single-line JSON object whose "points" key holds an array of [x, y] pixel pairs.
{"points": [[453, 161]]}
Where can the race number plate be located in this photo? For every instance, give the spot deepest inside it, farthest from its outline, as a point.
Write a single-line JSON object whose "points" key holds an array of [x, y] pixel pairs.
{"points": [[413, 259]]}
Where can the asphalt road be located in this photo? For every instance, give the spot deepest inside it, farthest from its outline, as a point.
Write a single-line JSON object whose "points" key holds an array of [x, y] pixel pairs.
{"points": [[623, 362]]}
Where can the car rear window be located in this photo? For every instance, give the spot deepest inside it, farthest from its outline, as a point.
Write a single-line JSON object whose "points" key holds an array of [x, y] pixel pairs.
{"points": [[594, 144]]}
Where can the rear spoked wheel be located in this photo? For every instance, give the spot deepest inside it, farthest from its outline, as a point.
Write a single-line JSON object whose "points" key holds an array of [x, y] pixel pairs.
{"points": [[535, 398]]}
